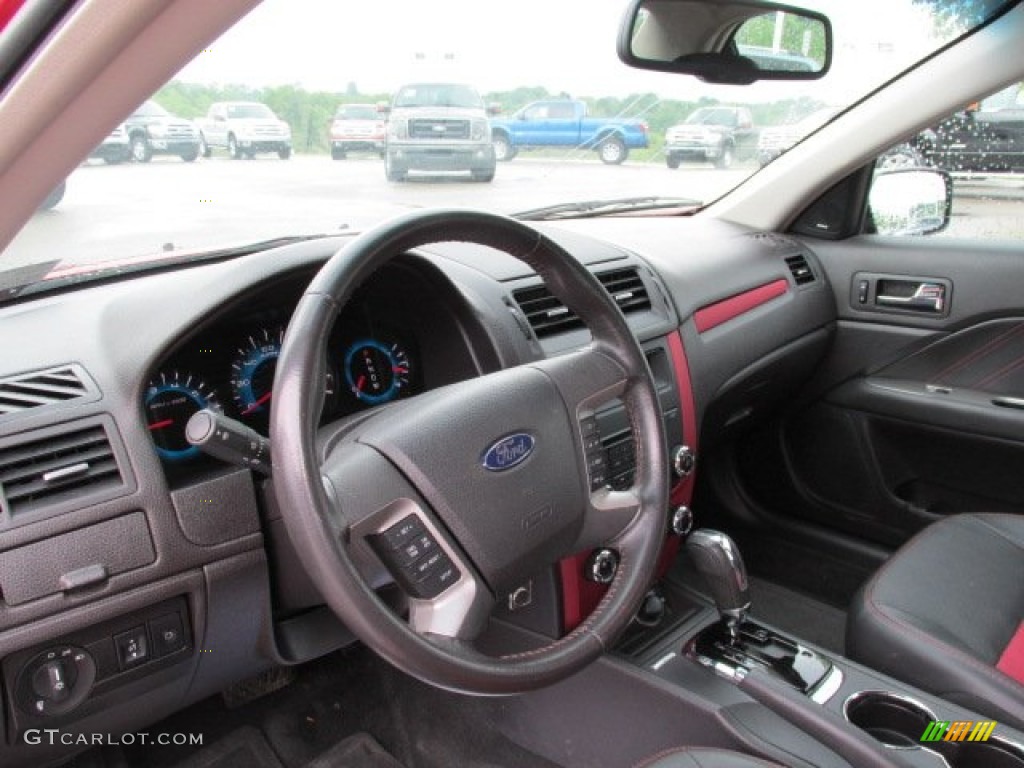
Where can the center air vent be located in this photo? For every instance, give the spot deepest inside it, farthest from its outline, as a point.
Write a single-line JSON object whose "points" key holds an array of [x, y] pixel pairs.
{"points": [[547, 315], [65, 466], [34, 390], [800, 269]]}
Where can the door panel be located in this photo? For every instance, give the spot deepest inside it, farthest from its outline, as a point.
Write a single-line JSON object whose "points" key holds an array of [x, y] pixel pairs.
{"points": [[916, 414]]}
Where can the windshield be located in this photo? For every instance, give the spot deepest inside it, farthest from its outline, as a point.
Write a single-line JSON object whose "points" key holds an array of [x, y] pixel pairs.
{"points": [[244, 111], [712, 117], [438, 95], [455, 89]]}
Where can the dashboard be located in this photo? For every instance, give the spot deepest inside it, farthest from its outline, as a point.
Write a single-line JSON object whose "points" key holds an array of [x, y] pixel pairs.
{"points": [[153, 531]]}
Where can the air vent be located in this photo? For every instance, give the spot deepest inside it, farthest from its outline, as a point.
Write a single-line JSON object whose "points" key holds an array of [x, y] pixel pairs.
{"points": [[64, 466], [800, 269], [548, 315], [34, 390]]}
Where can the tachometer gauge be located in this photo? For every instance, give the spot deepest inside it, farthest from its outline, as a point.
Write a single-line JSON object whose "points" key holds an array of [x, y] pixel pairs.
{"points": [[171, 399], [376, 372], [252, 372]]}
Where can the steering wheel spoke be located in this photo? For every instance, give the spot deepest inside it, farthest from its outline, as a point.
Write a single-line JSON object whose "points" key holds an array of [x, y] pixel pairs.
{"points": [[391, 536]]}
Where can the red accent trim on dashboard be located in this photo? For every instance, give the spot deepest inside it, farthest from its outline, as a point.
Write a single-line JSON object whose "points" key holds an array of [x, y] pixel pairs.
{"points": [[579, 596], [682, 493], [1012, 661], [725, 310]]}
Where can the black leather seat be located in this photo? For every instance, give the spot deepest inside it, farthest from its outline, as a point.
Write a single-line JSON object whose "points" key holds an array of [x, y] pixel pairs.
{"points": [[946, 614], [701, 757]]}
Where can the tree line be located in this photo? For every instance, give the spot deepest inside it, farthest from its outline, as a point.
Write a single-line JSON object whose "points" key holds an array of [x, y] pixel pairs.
{"points": [[309, 112]]}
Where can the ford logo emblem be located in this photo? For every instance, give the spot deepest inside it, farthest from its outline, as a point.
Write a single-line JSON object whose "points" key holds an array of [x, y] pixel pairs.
{"points": [[508, 452]]}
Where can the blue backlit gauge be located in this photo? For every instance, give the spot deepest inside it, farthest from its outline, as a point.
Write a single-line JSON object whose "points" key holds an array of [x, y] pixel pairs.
{"points": [[170, 400], [376, 372], [252, 372]]}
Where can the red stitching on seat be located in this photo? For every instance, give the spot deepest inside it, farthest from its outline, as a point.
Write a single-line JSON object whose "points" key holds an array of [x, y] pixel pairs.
{"points": [[1001, 680]]}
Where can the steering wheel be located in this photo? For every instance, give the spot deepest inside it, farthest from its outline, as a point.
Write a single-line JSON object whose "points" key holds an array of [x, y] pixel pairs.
{"points": [[465, 492]]}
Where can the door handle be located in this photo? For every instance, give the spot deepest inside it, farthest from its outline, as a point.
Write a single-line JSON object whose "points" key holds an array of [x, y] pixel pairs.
{"points": [[926, 297]]}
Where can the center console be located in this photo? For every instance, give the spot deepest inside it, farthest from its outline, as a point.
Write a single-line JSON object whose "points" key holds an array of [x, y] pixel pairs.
{"points": [[863, 716]]}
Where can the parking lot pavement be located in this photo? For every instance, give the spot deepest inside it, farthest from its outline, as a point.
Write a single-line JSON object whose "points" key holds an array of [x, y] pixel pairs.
{"points": [[112, 212]]}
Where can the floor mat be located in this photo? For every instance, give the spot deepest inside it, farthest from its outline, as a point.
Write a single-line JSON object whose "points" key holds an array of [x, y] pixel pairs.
{"points": [[357, 751], [797, 614], [244, 747]]}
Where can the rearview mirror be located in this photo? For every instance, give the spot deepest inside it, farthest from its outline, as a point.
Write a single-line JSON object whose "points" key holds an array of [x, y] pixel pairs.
{"points": [[911, 201], [735, 42]]}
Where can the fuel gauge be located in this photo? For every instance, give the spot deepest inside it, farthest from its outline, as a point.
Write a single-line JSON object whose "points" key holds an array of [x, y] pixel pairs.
{"points": [[376, 372], [170, 400]]}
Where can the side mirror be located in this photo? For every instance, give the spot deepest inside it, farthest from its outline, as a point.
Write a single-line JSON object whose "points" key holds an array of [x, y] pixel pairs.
{"points": [[735, 42], [494, 108], [911, 201], [383, 108]]}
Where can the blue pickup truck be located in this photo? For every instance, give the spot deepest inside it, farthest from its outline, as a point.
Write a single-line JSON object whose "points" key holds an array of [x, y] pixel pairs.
{"points": [[564, 123]]}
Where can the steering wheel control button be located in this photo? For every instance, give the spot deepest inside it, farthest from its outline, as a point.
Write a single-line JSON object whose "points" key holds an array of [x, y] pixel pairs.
{"points": [[594, 453], [400, 533], [167, 633], [132, 647], [441, 577], [415, 558], [683, 461], [622, 464], [602, 566], [56, 681], [421, 545]]}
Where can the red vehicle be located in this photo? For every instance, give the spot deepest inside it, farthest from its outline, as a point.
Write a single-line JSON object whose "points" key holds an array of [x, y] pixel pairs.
{"points": [[357, 128]]}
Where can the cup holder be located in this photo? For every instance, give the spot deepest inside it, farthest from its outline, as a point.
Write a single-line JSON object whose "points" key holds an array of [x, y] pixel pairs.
{"points": [[894, 720], [899, 723]]}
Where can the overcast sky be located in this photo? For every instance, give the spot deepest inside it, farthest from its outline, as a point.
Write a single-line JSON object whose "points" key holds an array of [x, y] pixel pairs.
{"points": [[563, 45]]}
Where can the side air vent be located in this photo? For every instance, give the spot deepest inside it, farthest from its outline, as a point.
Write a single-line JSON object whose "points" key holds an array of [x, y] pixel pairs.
{"points": [[34, 390], [76, 465], [800, 269], [547, 315]]}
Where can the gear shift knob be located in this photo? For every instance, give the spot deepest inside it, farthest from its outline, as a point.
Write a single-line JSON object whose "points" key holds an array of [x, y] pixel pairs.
{"points": [[718, 559]]}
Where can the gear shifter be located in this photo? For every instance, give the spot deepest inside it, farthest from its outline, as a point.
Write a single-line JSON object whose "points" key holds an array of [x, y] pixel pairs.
{"points": [[734, 645], [718, 559]]}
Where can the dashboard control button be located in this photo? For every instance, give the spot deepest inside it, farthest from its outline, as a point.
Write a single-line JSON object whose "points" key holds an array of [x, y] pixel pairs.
{"points": [[168, 634], [683, 460], [132, 647], [682, 520], [602, 566], [55, 681]]}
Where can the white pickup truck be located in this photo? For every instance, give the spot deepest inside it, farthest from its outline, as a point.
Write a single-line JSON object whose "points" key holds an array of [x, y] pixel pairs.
{"points": [[244, 128]]}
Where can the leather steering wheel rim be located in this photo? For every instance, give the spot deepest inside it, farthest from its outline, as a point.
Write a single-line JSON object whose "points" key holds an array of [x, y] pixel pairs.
{"points": [[321, 496]]}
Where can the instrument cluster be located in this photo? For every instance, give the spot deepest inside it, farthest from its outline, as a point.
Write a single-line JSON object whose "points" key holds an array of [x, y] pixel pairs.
{"points": [[372, 359]]}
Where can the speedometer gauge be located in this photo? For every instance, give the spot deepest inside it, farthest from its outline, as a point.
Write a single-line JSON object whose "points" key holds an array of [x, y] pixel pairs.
{"points": [[171, 399], [252, 372], [376, 372]]}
